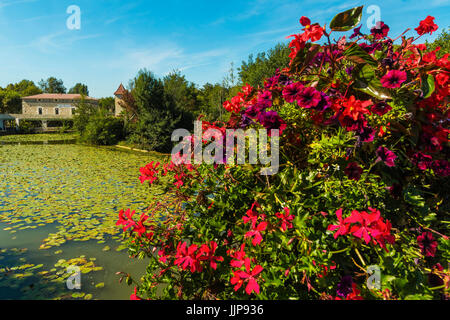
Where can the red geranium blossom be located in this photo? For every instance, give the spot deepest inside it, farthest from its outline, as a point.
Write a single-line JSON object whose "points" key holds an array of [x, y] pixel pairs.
{"points": [[256, 233], [426, 26], [342, 228], [286, 219], [249, 276], [393, 79], [149, 172], [207, 254]]}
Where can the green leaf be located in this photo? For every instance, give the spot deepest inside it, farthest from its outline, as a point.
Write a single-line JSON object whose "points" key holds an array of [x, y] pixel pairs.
{"points": [[347, 20], [356, 54], [428, 86], [304, 57]]}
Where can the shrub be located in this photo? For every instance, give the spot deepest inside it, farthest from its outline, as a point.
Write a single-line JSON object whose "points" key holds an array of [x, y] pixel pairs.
{"points": [[362, 185], [103, 130]]}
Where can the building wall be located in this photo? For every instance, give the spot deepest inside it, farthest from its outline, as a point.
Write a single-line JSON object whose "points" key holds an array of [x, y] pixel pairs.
{"points": [[31, 107], [118, 108]]}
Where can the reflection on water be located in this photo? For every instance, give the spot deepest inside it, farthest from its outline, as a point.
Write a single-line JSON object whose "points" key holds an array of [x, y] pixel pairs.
{"points": [[59, 203]]}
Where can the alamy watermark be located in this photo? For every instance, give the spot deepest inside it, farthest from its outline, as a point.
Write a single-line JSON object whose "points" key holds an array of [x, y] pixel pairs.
{"points": [[74, 20], [220, 147], [74, 280]]}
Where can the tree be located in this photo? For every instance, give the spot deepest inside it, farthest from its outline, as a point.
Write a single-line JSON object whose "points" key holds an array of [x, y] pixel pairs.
{"points": [[107, 103], [442, 41], [255, 70], [10, 102], [52, 85], [24, 88], [80, 88], [211, 98], [157, 114]]}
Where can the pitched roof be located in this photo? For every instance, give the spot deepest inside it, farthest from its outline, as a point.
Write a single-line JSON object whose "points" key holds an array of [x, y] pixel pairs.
{"points": [[120, 91], [60, 96]]}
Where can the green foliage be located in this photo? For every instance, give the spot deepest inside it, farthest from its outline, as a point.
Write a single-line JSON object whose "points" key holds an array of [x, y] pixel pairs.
{"points": [[442, 41], [256, 70], [103, 130], [52, 85], [107, 103], [80, 88]]}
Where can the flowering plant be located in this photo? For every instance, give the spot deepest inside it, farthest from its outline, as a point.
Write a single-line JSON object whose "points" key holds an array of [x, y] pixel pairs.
{"points": [[363, 181]]}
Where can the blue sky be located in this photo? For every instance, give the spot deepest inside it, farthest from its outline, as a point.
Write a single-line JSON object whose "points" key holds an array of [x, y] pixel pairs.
{"points": [[200, 38]]}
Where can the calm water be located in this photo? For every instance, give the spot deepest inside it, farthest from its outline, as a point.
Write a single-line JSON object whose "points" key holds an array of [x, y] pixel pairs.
{"points": [[59, 202]]}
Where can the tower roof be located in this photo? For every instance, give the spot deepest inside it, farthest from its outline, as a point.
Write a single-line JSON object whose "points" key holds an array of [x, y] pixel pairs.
{"points": [[121, 90]]}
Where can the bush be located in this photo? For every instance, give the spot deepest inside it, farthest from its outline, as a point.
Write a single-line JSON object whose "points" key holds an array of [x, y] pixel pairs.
{"points": [[103, 130], [359, 208]]}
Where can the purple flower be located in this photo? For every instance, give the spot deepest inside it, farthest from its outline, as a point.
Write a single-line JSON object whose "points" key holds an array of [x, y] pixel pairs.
{"points": [[353, 171], [271, 120], [265, 99], [356, 32], [380, 31], [366, 134], [292, 92], [246, 121], [381, 108], [324, 103], [349, 70], [387, 156], [309, 98], [344, 288], [254, 110], [422, 161], [441, 168], [272, 82], [394, 79]]}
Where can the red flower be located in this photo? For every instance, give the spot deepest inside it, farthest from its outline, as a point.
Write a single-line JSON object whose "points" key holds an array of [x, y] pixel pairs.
{"points": [[134, 295], [249, 276], [207, 254], [427, 244], [239, 258], [286, 219], [355, 108], [256, 233], [126, 219], [426, 26], [381, 108], [393, 79], [292, 92], [304, 21], [342, 227], [186, 257], [149, 172]]}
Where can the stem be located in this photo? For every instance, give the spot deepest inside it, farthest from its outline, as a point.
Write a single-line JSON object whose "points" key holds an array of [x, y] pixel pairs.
{"points": [[360, 257]]}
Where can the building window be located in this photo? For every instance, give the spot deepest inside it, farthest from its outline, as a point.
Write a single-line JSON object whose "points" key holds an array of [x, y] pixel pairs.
{"points": [[40, 111], [56, 111]]}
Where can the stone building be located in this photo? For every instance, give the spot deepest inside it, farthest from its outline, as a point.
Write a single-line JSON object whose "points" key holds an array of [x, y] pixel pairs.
{"points": [[47, 109], [118, 100], [57, 106]]}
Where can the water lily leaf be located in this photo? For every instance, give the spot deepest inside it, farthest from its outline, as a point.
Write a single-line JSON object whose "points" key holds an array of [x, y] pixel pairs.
{"points": [[347, 20]]}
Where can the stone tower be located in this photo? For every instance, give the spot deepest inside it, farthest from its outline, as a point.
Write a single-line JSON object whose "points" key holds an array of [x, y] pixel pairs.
{"points": [[118, 94]]}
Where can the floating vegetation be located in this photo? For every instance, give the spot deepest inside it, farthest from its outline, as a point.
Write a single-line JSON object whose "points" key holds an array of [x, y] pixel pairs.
{"points": [[73, 193]]}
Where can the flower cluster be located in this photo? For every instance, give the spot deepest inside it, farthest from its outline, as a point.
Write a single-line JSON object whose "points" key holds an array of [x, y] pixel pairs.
{"points": [[368, 226]]}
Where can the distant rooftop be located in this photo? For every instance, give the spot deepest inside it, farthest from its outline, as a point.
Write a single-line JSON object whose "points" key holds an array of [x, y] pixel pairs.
{"points": [[59, 96], [120, 91]]}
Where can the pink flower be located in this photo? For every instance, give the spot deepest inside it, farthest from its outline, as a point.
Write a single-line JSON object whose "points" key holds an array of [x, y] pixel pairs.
{"points": [[292, 92], [393, 79], [387, 156]]}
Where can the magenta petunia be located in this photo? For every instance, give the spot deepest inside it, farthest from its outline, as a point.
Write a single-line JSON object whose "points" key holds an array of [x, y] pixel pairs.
{"points": [[309, 98], [353, 171], [387, 156], [427, 244], [381, 108], [394, 79], [292, 92], [380, 31]]}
